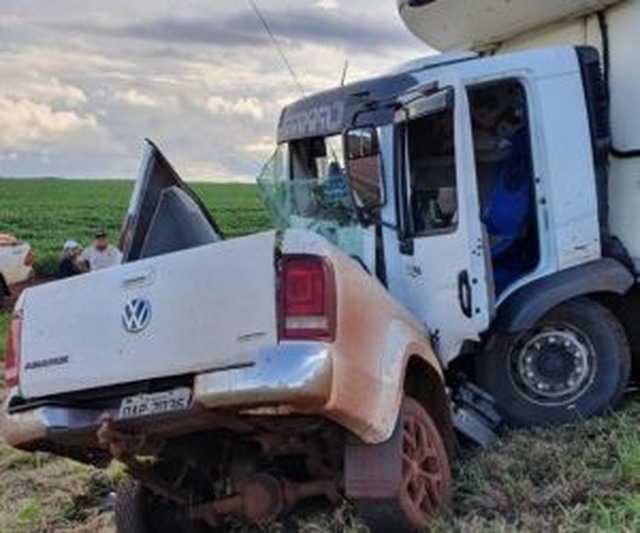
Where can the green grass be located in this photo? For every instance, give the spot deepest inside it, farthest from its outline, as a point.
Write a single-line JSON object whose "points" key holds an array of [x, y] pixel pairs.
{"points": [[579, 478], [46, 212]]}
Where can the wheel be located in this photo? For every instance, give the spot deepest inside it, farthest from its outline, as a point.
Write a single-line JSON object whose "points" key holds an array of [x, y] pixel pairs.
{"points": [[139, 511], [573, 364], [130, 508], [426, 473], [407, 480]]}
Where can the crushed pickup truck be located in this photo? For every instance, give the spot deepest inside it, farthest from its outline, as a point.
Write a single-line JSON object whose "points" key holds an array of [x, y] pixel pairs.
{"points": [[256, 373]]}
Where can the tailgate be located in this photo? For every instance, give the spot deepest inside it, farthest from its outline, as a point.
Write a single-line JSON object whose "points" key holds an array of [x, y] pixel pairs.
{"points": [[180, 313]]}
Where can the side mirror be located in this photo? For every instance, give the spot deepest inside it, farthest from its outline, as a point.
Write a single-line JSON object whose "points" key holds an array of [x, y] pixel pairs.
{"points": [[415, 104], [363, 166]]}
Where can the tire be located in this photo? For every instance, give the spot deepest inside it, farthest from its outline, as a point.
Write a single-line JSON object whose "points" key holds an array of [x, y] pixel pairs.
{"points": [[422, 468], [130, 508], [139, 511], [573, 364], [425, 466]]}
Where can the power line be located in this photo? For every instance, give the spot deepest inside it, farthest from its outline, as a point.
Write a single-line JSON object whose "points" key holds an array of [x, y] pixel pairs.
{"points": [[275, 42]]}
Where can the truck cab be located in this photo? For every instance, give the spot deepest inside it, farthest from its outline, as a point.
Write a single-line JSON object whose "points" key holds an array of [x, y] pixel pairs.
{"points": [[475, 189]]}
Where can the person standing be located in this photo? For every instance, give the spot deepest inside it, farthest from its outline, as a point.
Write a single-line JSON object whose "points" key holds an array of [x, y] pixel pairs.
{"points": [[101, 254]]}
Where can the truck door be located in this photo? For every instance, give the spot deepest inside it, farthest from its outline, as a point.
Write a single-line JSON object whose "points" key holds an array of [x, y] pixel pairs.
{"points": [[442, 245]]}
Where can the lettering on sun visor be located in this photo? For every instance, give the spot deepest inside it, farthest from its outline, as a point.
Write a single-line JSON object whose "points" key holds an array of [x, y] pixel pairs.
{"points": [[318, 120]]}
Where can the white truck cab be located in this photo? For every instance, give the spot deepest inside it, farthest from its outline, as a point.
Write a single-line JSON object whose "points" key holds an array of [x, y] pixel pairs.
{"points": [[481, 188]]}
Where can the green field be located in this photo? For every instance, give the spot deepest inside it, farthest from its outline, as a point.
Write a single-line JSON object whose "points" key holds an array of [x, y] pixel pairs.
{"points": [[582, 477], [46, 212]]}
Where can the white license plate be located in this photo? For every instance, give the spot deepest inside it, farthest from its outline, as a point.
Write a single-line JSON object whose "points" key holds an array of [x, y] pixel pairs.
{"points": [[155, 403]]}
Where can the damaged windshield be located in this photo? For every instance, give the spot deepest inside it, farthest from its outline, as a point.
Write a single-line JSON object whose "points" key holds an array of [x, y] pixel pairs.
{"points": [[304, 185]]}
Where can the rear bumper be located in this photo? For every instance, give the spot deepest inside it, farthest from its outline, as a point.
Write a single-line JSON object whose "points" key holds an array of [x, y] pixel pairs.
{"points": [[293, 376]]}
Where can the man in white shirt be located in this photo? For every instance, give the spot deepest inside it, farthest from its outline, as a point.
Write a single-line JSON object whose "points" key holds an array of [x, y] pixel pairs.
{"points": [[101, 254]]}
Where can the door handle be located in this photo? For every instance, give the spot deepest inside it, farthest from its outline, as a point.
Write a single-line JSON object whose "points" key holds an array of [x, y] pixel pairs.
{"points": [[465, 296]]}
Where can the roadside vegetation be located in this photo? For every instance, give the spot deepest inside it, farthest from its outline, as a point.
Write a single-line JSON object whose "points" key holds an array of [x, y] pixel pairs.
{"points": [[581, 477]]}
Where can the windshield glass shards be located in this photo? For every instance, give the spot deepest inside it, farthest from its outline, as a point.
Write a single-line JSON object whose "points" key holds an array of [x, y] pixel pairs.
{"points": [[304, 185]]}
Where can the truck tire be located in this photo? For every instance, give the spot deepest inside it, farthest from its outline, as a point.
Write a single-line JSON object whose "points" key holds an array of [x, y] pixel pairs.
{"points": [[422, 482], [427, 484], [138, 511], [573, 364], [130, 508]]}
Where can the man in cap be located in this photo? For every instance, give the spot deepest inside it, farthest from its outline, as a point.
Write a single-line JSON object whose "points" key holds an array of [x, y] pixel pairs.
{"points": [[101, 254], [71, 262]]}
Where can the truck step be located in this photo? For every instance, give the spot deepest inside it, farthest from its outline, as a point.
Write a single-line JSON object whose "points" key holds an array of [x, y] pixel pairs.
{"points": [[474, 413]]}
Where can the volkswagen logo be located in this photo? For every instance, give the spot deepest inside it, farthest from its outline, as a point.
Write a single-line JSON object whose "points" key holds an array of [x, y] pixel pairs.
{"points": [[136, 315]]}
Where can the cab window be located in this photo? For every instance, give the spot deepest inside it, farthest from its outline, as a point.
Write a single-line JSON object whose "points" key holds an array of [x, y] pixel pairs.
{"points": [[433, 193]]}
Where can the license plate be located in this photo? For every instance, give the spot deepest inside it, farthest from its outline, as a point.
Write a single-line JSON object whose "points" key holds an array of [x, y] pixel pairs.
{"points": [[155, 403]]}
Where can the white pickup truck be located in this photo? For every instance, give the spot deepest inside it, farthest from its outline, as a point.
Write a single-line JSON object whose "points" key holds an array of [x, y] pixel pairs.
{"points": [[16, 263], [257, 372]]}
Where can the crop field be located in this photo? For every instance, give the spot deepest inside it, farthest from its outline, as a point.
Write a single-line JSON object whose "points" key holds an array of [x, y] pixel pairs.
{"points": [[46, 212], [580, 477]]}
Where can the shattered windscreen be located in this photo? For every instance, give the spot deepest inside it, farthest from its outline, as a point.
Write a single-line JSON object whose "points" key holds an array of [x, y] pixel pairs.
{"points": [[304, 185]]}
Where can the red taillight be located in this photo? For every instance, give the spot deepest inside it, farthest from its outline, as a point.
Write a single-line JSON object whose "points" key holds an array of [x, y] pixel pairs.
{"points": [[29, 259], [307, 299], [12, 357]]}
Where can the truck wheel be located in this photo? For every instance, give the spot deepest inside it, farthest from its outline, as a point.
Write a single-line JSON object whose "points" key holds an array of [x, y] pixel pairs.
{"points": [[138, 511], [130, 508], [405, 482], [573, 364], [426, 473]]}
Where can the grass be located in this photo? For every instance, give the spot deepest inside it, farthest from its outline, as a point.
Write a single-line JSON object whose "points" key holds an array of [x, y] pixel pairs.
{"points": [[46, 212], [579, 478]]}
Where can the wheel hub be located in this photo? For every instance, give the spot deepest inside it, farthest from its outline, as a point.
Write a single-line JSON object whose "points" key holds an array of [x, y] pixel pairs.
{"points": [[554, 365]]}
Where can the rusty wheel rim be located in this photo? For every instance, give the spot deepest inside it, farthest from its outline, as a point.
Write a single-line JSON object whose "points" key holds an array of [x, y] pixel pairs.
{"points": [[426, 478]]}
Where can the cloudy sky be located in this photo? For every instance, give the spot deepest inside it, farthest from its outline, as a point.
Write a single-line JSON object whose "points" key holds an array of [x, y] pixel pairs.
{"points": [[82, 83]]}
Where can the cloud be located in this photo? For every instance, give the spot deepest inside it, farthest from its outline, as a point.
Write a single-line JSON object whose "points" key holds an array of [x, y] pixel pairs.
{"points": [[26, 123], [262, 147], [135, 97], [46, 90], [82, 88], [247, 107], [326, 4], [353, 29]]}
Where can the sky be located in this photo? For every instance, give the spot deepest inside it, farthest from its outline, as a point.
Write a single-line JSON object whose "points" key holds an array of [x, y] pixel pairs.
{"points": [[83, 83]]}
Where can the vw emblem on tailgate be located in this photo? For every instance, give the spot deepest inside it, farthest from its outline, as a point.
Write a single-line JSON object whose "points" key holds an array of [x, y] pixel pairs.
{"points": [[136, 315]]}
